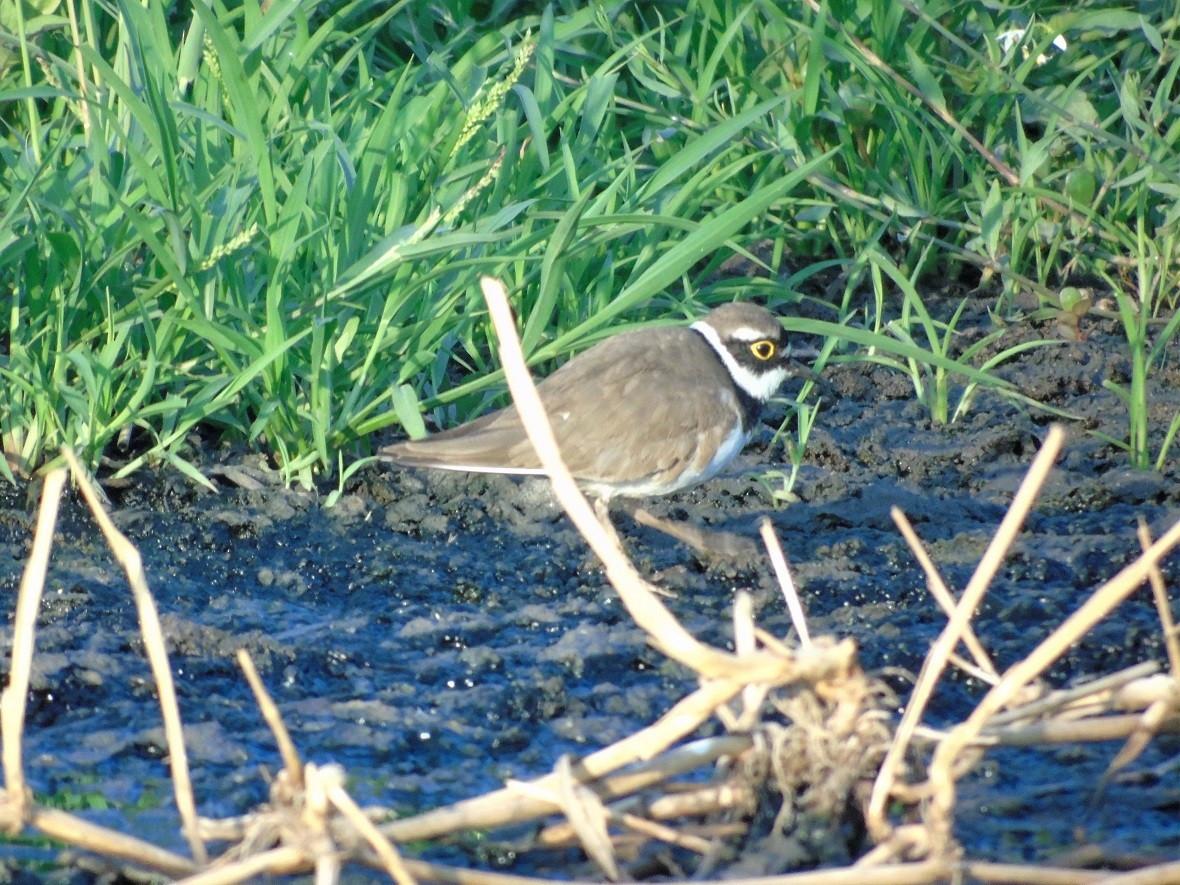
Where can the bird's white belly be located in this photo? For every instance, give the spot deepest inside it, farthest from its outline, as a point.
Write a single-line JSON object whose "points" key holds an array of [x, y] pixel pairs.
{"points": [[725, 453]]}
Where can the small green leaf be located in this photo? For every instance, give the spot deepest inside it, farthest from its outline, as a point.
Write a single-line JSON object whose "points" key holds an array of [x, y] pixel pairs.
{"points": [[408, 411], [991, 219], [924, 79]]}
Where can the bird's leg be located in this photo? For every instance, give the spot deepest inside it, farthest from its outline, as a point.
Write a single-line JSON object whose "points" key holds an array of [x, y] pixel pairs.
{"points": [[710, 543]]}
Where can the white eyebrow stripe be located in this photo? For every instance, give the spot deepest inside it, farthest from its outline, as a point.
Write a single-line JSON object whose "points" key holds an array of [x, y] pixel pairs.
{"points": [[745, 333]]}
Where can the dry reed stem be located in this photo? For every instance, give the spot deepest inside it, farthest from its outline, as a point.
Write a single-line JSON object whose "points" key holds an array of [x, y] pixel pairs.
{"points": [[1098, 606], [936, 659], [383, 847], [1160, 716], [1117, 691], [704, 800], [971, 670], [697, 803], [942, 595], [583, 810], [662, 833], [153, 641], [283, 860], [292, 764], [1136, 694], [782, 572], [507, 806], [909, 840], [677, 761], [1160, 874], [503, 806], [745, 643], [1103, 728], [316, 838], [1026, 874], [664, 631], [923, 872], [19, 809], [1163, 605], [88, 836], [14, 699]]}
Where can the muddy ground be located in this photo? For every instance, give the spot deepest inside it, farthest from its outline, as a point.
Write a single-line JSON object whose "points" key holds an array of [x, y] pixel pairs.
{"points": [[437, 633]]}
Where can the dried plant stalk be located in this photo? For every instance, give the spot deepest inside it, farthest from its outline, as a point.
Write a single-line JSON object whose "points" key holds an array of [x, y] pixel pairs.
{"points": [[703, 800], [778, 561], [153, 641], [677, 761], [502, 807], [1112, 692], [292, 764], [942, 595], [1160, 874], [384, 849], [283, 860], [1072, 731], [936, 659], [1163, 605], [1024, 874], [507, 806], [1097, 607], [81, 833], [924, 872], [13, 701]]}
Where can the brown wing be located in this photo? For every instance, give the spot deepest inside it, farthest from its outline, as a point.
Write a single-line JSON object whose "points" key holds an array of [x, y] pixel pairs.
{"points": [[662, 409], [639, 406]]}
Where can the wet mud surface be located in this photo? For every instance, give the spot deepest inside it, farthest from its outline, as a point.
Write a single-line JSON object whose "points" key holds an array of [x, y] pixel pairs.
{"points": [[438, 633]]}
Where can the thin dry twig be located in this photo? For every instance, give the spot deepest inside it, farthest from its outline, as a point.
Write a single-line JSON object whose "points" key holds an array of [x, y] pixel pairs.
{"points": [[662, 833], [942, 595], [292, 764], [14, 699], [782, 573], [695, 803], [1111, 692], [506, 806], [677, 761], [1160, 716], [1160, 874], [1026, 874], [81, 833], [385, 849], [1072, 731], [1163, 605], [940, 652], [279, 861], [1098, 606], [971, 669], [744, 643], [703, 800], [584, 812], [503, 806], [920, 873], [316, 839], [157, 654]]}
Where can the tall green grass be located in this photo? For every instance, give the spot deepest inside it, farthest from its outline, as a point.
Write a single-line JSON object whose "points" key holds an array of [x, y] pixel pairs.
{"points": [[266, 225]]}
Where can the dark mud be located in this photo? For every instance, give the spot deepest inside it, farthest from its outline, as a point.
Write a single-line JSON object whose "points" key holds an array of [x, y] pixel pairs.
{"points": [[437, 633]]}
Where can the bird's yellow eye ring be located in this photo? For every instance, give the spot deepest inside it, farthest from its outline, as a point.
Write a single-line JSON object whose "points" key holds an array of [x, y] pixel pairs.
{"points": [[763, 349]]}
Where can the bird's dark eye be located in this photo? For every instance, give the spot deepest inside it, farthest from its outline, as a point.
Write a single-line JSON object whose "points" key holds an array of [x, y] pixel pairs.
{"points": [[763, 349]]}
